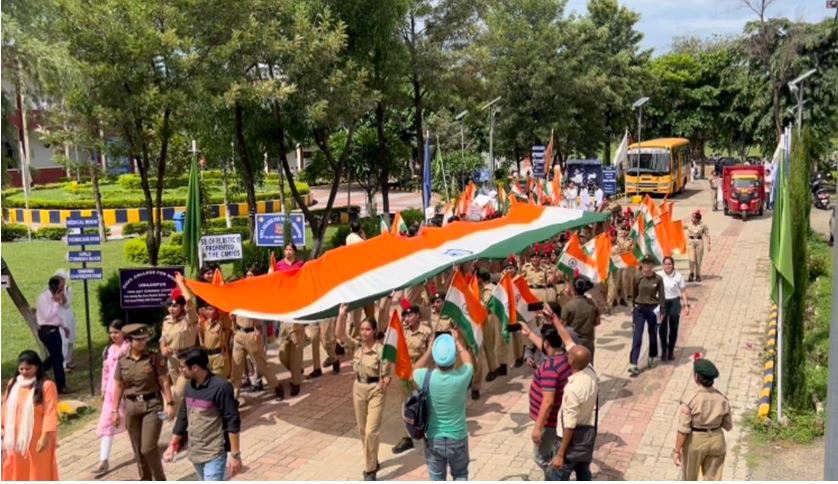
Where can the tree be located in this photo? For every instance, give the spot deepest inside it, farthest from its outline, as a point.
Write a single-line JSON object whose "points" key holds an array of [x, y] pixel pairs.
{"points": [[143, 60]]}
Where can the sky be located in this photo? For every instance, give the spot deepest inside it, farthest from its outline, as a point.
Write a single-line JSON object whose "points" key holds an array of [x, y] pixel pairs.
{"points": [[662, 20]]}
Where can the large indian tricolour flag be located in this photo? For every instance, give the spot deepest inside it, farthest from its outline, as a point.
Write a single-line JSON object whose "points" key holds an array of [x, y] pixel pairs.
{"points": [[466, 311], [361, 273]]}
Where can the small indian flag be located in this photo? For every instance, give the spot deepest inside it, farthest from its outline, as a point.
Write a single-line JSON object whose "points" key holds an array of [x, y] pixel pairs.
{"points": [[395, 348], [399, 226], [649, 209], [466, 311], [383, 225], [599, 249], [556, 183], [575, 259], [637, 234], [502, 304], [447, 213], [272, 267], [676, 237], [623, 261], [516, 192], [525, 301], [653, 243]]}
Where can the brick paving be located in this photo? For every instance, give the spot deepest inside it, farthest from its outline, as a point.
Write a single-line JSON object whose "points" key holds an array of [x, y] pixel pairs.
{"points": [[313, 436]]}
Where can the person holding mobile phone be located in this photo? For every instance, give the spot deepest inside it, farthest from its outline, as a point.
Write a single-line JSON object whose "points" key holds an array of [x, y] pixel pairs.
{"points": [[51, 325]]}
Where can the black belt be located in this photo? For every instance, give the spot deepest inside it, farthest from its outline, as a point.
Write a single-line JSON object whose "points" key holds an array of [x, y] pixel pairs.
{"points": [[540, 287], [142, 397], [216, 351], [699, 238], [704, 430], [647, 306], [245, 330], [373, 379], [48, 329]]}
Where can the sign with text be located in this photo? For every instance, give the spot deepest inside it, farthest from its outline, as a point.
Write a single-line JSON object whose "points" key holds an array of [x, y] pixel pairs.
{"points": [[609, 180], [270, 226], [83, 239], [82, 222], [220, 247], [148, 287], [85, 274], [84, 256], [538, 160]]}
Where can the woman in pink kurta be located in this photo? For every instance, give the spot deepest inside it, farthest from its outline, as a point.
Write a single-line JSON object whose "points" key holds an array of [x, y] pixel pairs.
{"points": [[30, 423], [105, 430]]}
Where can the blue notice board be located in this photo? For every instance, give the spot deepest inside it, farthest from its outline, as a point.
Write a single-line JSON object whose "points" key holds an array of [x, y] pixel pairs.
{"points": [[538, 161], [609, 180], [270, 226]]}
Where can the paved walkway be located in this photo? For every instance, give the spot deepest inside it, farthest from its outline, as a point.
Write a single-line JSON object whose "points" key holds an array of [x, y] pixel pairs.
{"points": [[313, 436]]}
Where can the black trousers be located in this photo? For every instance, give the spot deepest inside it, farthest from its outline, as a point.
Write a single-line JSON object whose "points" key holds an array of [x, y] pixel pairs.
{"points": [[51, 338], [669, 325]]}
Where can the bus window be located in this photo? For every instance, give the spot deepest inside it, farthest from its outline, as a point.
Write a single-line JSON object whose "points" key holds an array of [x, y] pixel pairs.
{"points": [[649, 163]]}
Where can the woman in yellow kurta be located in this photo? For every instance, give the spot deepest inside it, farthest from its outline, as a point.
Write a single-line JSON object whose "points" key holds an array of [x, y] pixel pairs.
{"points": [[30, 423]]}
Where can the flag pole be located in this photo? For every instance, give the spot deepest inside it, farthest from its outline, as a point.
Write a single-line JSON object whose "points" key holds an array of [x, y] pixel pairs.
{"points": [[442, 165], [831, 447], [780, 355]]}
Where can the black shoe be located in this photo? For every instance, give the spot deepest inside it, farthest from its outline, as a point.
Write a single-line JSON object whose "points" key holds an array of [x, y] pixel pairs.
{"points": [[697, 278], [259, 387], [519, 363], [336, 367], [339, 350], [317, 373], [403, 446], [623, 302], [279, 393], [691, 278], [502, 370], [492, 375], [369, 476], [295, 390], [475, 394]]}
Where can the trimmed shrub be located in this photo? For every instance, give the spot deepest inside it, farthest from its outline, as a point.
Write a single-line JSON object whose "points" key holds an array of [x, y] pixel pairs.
{"points": [[338, 238], [412, 216], [51, 232], [130, 181], [171, 255], [253, 255], [177, 238], [13, 231], [140, 228], [77, 188], [136, 251], [221, 222], [818, 266]]}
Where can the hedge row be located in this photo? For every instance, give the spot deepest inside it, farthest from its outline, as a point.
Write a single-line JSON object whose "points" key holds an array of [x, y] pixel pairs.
{"points": [[140, 228], [136, 251], [134, 202], [13, 231]]}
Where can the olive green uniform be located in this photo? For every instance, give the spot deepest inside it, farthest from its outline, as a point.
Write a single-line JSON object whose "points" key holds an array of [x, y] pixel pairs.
{"points": [[704, 414], [143, 400]]}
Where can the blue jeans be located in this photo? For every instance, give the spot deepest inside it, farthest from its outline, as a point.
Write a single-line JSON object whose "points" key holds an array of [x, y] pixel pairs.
{"points": [[583, 472], [644, 315], [213, 469], [441, 453]]}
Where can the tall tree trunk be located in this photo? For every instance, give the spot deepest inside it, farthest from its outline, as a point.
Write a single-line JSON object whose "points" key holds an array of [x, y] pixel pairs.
{"points": [[97, 194], [139, 152], [23, 307], [247, 170], [383, 161], [415, 81], [156, 222]]}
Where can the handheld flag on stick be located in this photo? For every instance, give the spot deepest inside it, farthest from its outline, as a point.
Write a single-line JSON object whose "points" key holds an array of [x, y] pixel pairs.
{"points": [[466, 311], [395, 348]]}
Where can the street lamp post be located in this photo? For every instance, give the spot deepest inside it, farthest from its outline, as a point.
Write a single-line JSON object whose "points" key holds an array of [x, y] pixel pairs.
{"points": [[492, 113], [796, 86], [638, 106]]}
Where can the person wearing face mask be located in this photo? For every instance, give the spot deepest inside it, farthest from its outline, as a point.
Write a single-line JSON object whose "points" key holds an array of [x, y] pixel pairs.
{"points": [[675, 291], [30, 423]]}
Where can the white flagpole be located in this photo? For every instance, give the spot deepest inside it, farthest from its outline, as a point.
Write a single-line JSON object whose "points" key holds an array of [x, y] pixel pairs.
{"points": [[780, 304]]}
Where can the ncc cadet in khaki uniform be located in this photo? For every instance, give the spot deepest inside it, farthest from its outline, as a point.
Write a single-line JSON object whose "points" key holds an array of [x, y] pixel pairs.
{"points": [[323, 332], [537, 277], [372, 377], [179, 332], [714, 187], [697, 233], [705, 413], [214, 336], [627, 274], [141, 379], [418, 335], [440, 323], [247, 340], [516, 340], [291, 340], [491, 333]]}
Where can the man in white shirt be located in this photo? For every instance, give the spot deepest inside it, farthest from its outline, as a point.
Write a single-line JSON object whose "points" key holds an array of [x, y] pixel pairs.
{"points": [[356, 234], [599, 197], [48, 311], [570, 194], [585, 197]]}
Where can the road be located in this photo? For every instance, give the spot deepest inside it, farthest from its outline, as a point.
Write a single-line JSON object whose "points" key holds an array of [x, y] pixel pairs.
{"points": [[313, 436]]}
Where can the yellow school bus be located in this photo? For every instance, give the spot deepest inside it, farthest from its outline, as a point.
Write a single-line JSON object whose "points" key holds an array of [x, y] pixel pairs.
{"points": [[657, 166]]}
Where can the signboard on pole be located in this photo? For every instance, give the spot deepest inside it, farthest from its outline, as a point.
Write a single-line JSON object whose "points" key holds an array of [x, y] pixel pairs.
{"points": [[609, 180], [538, 161], [74, 223], [84, 256], [83, 239], [85, 274], [270, 227], [223, 247], [147, 287]]}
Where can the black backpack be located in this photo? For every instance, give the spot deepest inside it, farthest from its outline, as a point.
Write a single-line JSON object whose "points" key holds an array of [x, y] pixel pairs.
{"points": [[416, 410]]}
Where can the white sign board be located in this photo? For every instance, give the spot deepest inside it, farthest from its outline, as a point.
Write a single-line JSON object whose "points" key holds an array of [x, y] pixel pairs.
{"points": [[220, 247]]}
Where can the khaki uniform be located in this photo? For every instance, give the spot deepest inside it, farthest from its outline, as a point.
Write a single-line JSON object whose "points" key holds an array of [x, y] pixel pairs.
{"points": [[368, 398], [143, 399], [441, 322], [537, 280], [704, 413], [247, 340], [696, 233], [322, 332], [614, 282], [291, 340], [178, 336], [491, 334], [714, 185], [215, 338], [628, 274]]}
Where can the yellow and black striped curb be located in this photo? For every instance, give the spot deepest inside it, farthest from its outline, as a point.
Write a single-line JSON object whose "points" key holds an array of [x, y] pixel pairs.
{"points": [[764, 407]]}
